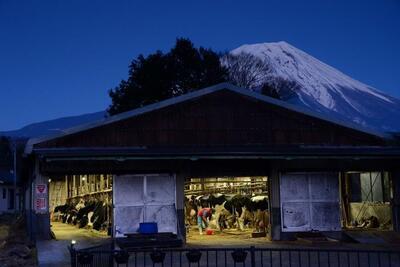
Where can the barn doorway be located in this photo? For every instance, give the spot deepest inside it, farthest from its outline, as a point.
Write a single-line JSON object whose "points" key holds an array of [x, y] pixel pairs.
{"points": [[80, 207], [366, 200], [240, 213]]}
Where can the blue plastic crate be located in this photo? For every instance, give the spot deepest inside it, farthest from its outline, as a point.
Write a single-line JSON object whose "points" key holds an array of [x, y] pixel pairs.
{"points": [[148, 228]]}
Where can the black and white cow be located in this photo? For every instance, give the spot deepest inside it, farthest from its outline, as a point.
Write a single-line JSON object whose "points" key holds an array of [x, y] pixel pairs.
{"points": [[230, 210]]}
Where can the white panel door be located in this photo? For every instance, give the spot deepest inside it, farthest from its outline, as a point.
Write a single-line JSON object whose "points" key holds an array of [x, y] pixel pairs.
{"points": [[159, 202], [310, 201], [144, 198]]}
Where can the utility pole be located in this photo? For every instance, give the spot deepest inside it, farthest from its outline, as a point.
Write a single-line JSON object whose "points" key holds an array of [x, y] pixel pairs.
{"points": [[15, 174]]}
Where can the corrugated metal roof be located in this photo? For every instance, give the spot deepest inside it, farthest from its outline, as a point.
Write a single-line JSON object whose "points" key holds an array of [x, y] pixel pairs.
{"points": [[196, 94]]}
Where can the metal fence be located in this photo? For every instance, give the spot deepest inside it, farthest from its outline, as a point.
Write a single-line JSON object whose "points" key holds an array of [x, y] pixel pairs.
{"points": [[252, 257]]}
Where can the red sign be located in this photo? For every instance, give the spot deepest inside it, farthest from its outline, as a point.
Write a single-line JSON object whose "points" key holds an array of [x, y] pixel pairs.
{"points": [[40, 204], [41, 189]]}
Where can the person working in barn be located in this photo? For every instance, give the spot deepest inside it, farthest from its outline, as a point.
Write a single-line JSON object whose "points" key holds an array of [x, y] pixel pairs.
{"points": [[203, 216]]}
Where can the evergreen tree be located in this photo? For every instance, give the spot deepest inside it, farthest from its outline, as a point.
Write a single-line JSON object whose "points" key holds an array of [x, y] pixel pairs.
{"points": [[160, 76], [149, 81]]}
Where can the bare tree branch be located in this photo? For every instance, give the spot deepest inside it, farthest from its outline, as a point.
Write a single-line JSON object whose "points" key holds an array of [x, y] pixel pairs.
{"points": [[246, 70]]}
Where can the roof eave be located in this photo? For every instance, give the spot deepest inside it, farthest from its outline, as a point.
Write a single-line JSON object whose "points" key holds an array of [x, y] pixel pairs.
{"points": [[300, 151]]}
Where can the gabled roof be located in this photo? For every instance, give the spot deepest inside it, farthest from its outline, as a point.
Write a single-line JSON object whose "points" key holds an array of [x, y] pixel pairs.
{"points": [[196, 94]]}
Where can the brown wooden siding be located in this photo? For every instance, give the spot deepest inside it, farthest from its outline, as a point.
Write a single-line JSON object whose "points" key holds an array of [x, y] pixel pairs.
{"points": [[220, 118]]}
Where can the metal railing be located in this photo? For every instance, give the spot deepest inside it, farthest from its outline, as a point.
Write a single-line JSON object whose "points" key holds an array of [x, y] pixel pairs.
{"points": [[251, 256]]}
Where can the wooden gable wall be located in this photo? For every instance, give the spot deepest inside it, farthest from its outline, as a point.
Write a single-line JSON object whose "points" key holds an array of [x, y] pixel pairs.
{"points": [[222, 118]]}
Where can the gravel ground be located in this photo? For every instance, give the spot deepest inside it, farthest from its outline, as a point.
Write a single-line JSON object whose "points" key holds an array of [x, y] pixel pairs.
{"points": [[15, 248]]}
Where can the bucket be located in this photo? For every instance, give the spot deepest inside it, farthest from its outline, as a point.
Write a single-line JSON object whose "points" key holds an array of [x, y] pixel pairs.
{"points": [[209, 232], [148, 228]]}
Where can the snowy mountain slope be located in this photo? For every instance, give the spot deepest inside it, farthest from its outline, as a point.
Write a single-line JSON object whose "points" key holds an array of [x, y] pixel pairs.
{"points": [[53, 126], [325, 89]]}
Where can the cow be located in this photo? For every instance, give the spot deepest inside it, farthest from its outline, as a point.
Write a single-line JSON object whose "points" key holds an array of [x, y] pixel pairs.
{"points": [[242, 211], [190, 210], [231, 213], [261, 214], [194, 203], [93, 214], [230, 210]]}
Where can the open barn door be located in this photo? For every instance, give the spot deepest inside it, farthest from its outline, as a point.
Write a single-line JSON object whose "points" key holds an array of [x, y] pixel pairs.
{"points": [[310, 201], [144, 198]]}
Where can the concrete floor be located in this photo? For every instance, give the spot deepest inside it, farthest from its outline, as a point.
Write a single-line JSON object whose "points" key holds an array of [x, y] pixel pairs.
{"points": [[55, 252], [227, 238]]}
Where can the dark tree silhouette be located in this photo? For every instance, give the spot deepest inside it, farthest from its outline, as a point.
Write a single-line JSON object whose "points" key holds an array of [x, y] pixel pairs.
{"points": [[269, 90], [280, 88], [160, 76]]}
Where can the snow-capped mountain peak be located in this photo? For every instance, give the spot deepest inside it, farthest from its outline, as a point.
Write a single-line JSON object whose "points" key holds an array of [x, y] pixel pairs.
{"points": [[326, 89]]}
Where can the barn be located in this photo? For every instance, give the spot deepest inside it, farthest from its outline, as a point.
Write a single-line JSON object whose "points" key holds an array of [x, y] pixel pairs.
{"points": [[155, 163]]}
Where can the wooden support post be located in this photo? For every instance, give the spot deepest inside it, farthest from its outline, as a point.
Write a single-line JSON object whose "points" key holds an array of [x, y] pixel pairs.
{"points": [[66, 186], [344, 195], [275, 216], [180, 205], [74, 185], [41, 205], [396, 200]]}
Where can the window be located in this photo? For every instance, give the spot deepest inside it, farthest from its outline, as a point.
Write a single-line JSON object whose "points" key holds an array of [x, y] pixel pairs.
{"points": [[370, 187]]}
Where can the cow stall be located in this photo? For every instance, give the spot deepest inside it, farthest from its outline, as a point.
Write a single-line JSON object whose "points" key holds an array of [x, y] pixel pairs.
{"points": [[81, 205], [239, 209]]}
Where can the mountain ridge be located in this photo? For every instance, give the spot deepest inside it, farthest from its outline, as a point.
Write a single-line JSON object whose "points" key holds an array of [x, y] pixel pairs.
{"points": [[53, 126]]}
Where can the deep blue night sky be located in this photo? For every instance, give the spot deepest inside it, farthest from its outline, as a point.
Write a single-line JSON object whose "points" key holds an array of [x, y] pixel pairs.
{"points": [[59, 58]]}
